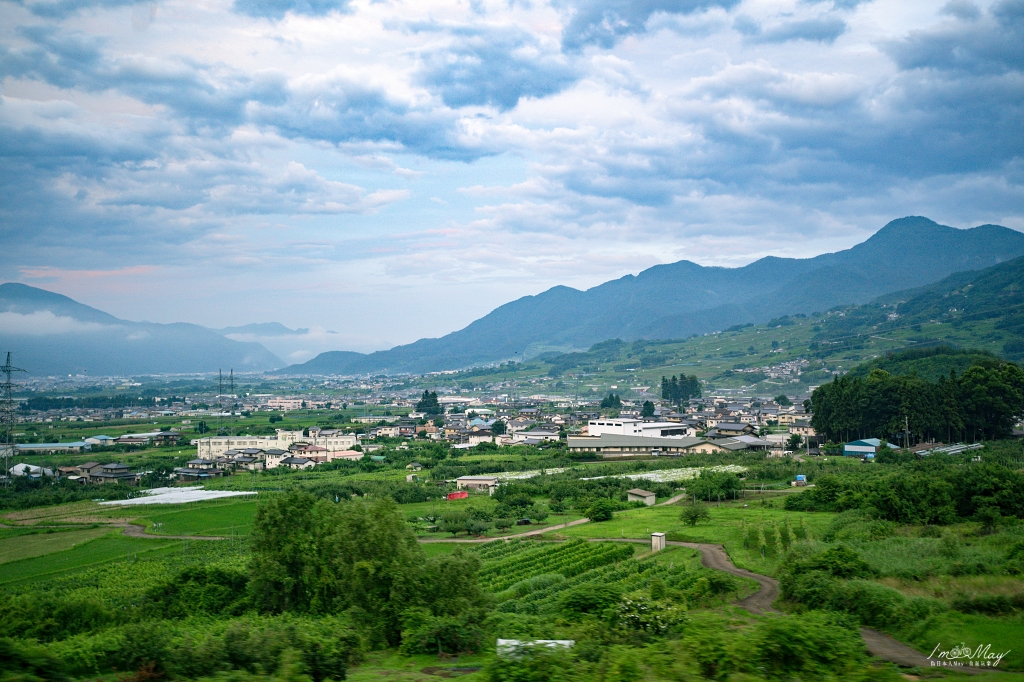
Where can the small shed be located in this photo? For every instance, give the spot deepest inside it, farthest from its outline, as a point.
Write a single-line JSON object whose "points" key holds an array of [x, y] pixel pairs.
{"points": [[639, 495], [801, 479], [657, 542]]}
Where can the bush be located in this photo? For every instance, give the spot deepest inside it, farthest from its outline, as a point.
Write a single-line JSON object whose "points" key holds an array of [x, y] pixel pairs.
{"points": [[600, 510], [28, 661], [811, 646], [427, 634], [588, 598], [694, 513]]}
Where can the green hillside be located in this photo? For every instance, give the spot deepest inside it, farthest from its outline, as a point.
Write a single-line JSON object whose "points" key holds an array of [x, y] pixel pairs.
{"points": [[979, 315]]}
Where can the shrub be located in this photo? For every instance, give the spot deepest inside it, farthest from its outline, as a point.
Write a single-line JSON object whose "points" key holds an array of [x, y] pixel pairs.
{"points": [[811, 646], [694, 513], [589, 598], [600, 510]]}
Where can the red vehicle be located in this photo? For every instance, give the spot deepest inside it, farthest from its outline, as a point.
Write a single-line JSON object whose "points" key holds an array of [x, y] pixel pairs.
{"points": [[459, 495]]}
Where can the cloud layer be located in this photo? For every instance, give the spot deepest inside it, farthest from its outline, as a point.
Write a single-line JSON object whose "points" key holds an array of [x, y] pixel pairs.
{"points": [[320, 161]]}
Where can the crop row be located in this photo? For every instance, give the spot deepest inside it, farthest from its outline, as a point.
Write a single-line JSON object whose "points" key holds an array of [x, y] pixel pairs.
{"points": [[568, 559], [493, 551], [569, 566], [540, 555], [627, 575]]}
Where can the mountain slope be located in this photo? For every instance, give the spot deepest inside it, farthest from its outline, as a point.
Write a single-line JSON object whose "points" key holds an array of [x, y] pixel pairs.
{"points": [[51, 334], [680, 299]]}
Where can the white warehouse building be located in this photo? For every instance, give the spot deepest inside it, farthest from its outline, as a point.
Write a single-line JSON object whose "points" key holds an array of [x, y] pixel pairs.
{"points": [[638, 427]]}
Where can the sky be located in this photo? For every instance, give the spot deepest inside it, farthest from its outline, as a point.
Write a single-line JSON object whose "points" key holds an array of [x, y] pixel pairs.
{"points": [[381, 171]]}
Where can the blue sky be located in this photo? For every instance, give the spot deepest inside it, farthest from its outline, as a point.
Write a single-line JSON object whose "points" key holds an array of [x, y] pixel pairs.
{"points": [[393, 169]]}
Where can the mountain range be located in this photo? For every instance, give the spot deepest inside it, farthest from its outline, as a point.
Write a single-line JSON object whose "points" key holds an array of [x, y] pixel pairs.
{"points": [[53, 334], [684, 298], [50, 334]]}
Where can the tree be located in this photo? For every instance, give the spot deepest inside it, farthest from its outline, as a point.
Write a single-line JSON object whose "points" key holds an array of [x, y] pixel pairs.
{"points": [[678, 390], [648, 410], [611, 402], [600, 510], [498, 427], [783, 400], [794, 441], [311, 555], [428, 404], [694, 513]]}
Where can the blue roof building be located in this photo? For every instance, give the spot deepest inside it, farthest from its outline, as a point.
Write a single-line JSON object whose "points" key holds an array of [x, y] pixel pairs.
{"points": [[866, 447]]}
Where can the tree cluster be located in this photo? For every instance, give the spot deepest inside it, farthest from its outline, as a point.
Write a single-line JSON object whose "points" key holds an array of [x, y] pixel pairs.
{"points": [[611, 402], [314, 556], [921, 493], [428, 403], [983, 402], [678, 390]]}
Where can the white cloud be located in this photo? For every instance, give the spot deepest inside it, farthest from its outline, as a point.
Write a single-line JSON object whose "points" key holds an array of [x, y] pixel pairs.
{"points": [[45, 323], [381, 153]]}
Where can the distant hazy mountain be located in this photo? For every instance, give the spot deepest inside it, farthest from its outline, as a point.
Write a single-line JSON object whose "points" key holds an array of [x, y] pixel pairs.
{"points": [[680, 299], [51, 334], [262, 329]]}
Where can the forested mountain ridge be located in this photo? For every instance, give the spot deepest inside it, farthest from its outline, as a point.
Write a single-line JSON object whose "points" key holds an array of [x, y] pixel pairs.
{"points": [[994, 295], [683, 298]]}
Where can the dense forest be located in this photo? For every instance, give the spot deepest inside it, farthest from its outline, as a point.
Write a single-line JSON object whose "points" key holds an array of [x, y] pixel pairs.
{"points": [[983, 402]]}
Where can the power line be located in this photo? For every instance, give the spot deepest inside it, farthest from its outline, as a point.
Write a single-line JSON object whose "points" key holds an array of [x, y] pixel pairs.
{"points": [[7, 416]]}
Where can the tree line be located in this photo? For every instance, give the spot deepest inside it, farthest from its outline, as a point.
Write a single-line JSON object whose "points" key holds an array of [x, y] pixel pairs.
{"points": [[982, 403]]}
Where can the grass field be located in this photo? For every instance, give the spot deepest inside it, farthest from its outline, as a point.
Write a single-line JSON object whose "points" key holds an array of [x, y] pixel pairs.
{"points": [[111, 547], [38, 544], [725, 527], [231, 517]]}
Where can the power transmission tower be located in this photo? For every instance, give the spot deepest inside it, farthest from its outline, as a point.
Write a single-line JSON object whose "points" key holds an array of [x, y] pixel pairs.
{"points": [[7, 415], [232, 379]]}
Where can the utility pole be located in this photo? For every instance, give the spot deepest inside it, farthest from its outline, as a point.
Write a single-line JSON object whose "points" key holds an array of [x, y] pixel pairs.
{"points": [[7, 417]]}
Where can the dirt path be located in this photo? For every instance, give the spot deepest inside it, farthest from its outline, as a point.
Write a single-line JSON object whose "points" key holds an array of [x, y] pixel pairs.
{"points": [[135, 531], [714, 556], [878, 643], [517, 536], [671, 500]]}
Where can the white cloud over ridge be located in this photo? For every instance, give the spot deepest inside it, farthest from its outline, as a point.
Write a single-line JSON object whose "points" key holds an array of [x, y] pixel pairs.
{"points": [[323, 160]]}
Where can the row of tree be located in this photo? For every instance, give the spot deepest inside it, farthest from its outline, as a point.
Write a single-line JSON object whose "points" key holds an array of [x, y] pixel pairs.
{"points": [[982, 403], [678, 390]]}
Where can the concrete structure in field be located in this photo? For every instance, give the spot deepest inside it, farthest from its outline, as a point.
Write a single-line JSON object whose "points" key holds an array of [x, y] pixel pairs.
{"points": [[331, 441], [657, 542], [612, 446], [641, 495]]}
